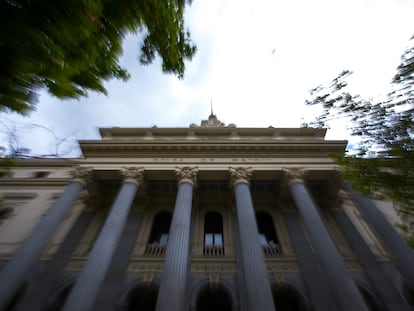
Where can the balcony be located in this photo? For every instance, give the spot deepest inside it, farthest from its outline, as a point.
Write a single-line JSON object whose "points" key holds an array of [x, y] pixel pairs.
{"points": [[213, 251], [272, 250], [155, 250]]}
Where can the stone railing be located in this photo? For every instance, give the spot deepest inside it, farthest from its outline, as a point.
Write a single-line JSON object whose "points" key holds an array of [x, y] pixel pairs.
{"points": [[155, 250], [272, 250], [213, 251]]}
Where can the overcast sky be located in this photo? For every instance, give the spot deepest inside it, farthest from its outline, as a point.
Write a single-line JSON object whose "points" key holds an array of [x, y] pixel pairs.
{"points": [[256, 60]]}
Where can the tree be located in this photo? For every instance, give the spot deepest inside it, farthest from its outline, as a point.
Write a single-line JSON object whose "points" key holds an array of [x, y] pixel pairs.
{"points": [[69, 47], [383, 166]]}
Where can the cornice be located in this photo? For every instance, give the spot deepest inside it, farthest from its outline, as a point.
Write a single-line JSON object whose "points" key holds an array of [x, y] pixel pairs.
{"points": [[25, 182], [46, 162], [115, 132], [111, 148]]}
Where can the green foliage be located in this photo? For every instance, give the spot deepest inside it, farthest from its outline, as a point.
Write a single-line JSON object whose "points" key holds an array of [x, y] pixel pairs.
{"points": [[5, 167], [384, 161], [71, 47]]}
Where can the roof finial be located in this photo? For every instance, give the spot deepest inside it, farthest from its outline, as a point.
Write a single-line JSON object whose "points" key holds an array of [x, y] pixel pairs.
{"points": [[211, 106]]}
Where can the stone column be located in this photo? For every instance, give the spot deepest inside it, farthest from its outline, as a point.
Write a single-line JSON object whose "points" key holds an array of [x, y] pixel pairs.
{"points": [[401, 253], [87, 286], [256, 279], [14, 273], [344, 290], [172, 295], [315, 282], [379, 279]]}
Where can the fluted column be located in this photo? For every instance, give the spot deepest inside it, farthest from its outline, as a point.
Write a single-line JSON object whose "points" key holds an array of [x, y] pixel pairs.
{"points": [[344, 290], [87, 286], [401, 253], [173, 289], [256, 279], [379, 279], [14, 273]]}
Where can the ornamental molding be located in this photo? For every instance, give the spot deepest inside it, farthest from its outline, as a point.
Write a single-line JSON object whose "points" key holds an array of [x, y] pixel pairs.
{"points": [[283, 267], [82, 175], [192, 146], [213, 267], [294, 174], [133, 174], [145, 267], [186, 174], [240, 175]]}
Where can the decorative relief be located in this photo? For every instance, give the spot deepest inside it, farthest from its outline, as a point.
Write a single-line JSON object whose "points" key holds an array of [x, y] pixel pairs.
{"points": [[353, 266], [82, 175], [75, 266], [294, 174], [343, 197], [191, 135], [213, 267], [133, 174], [145, 267], [283, 267], [188, 174], [214, 280], [240, 174]]}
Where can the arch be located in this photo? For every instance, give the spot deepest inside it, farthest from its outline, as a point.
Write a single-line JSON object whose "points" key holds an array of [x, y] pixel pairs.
{"points": [[371, 299], [142, 296], [408, 294], [287, 297], [203, 291], [59, 296], [18, 297]]}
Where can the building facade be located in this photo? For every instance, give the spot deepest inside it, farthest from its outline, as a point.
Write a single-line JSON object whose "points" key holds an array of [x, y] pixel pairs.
{"points": [[209, 217]]}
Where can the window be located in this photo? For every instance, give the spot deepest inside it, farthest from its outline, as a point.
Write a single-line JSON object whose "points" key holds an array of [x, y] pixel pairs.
{"points": [[213, 229], [160, 229], [267, 234], [213, 234]]}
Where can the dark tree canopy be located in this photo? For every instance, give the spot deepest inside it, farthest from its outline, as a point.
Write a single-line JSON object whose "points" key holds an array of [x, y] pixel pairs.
{"points": [[70, 47], [384, 161]]}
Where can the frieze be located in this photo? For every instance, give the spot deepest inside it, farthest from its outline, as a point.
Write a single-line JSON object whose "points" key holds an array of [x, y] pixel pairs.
{"points": [[209, 267], [285, 267], [75, 266], [353, 266], [145, 267]]}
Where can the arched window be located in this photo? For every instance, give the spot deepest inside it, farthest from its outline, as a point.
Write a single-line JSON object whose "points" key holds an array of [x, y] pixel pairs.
{"points": [[213, 234], [267, 234], [159, 234]]}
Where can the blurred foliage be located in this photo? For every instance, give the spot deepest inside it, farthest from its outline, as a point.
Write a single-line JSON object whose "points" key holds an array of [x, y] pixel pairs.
{"points": [[70, 47], [382, 165], [6, 165]]}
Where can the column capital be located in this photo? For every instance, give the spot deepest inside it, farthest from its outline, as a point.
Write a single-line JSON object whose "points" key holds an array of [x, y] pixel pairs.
{"points": [[186, 174], [133, 174], [294, 174], [240, 175], [343, 196], [82, 175]]}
